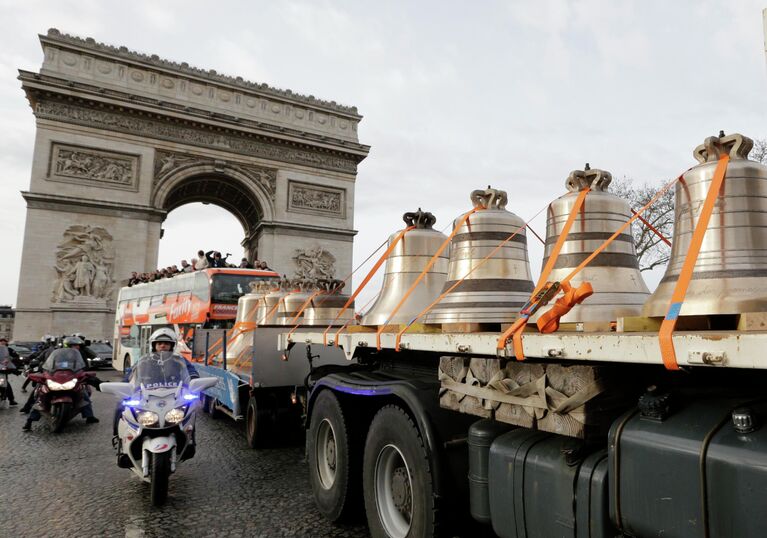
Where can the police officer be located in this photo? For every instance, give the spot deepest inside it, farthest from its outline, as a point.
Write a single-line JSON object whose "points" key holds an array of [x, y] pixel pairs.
{"points": [[162, 340], [73, 343]]}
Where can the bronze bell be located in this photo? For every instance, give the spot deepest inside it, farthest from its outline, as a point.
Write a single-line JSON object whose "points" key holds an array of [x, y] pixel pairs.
{"points": [[729, 274], [324, 308], [403, 266], [497, 289], [619, 289]]}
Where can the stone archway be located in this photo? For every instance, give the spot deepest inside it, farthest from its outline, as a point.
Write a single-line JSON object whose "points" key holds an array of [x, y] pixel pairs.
{"points": [[247, 192], [123, 138]]}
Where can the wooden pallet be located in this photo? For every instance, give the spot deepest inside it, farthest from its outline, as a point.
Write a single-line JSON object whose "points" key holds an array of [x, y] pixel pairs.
{"points": [[528, 394], [748, 321]]}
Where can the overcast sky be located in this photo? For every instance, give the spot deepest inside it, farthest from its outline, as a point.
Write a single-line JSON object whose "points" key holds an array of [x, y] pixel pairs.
{"points": [[455, 95]]}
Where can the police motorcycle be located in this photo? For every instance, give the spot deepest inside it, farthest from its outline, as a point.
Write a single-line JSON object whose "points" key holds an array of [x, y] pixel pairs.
{"points": [[7, 367], [156, 428], [62, 387]]}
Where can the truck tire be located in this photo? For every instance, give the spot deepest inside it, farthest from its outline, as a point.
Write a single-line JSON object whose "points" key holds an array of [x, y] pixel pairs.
{"points": [[255, 424], [397, 478], [209, 407], [333, 475], [160, 475]]}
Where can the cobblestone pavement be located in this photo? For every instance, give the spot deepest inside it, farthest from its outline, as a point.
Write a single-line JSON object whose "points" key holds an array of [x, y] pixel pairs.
{"points": [[69, 484]]}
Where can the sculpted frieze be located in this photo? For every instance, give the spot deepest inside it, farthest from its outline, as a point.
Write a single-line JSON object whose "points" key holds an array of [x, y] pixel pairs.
{"points": [[313, 263], [167, 163], [157, 128], [304, 197], [74, 164], [84, 265]]}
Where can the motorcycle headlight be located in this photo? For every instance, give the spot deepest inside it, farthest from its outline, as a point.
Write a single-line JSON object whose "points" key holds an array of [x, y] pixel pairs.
{"points": [[147, 418], [174, 416], [69, 385]]}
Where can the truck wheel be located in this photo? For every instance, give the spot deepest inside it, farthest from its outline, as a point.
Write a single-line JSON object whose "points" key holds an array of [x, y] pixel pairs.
{"points": [[160, 474], [397, 478], [209, 406], [255, 424], [332, 473]]}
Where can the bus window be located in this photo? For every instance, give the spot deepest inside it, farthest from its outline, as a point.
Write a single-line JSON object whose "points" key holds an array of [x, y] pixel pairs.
{"points": [[201, 288], [228, 289]]}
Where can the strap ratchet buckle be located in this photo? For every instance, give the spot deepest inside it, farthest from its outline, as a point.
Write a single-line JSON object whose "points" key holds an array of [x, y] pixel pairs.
{"points": [[542, 298]]}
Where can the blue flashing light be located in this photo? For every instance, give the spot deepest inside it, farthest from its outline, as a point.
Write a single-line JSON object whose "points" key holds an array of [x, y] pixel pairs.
{"points": [[190, 396], [131, 403], [373, 391]]}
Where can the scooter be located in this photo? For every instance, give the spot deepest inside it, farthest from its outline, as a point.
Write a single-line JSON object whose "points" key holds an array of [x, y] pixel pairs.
{"points": [[156, 427], [61, 394]]}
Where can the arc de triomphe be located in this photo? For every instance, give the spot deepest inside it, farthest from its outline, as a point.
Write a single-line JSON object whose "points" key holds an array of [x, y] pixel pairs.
{"points": [[123, 138]]}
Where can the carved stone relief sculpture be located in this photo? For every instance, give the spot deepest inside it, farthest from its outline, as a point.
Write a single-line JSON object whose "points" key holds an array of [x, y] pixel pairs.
{"points": [[314, 263], [166, 162], [89, 166], [84, 265], [314, 199]]}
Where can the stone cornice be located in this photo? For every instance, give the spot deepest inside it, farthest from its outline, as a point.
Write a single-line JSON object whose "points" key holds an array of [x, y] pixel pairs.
{"points": [[162, 127], [311, 230], [55, 37], [34, 83], [57, 202]]}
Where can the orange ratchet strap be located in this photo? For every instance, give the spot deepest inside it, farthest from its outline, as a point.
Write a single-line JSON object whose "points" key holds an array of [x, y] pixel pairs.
{"points": [[365, 281], [458, 282], [518, 327], [463, 220], [680, 289]]}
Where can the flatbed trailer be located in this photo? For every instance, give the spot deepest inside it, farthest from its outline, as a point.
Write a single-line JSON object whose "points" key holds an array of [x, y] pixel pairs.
{"points": [[261, 388], [661, 453]]}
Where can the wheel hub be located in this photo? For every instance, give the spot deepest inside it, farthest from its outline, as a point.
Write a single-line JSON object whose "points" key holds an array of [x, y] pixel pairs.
{"points": [[330, 453], [401, 494]]}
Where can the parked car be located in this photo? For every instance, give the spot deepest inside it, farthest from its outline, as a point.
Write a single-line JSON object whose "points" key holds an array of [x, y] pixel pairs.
{"points": [[24, 351], [103, 355]]}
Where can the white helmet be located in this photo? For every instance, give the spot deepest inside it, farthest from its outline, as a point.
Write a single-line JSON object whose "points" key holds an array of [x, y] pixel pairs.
{"points": [[163, 335]]}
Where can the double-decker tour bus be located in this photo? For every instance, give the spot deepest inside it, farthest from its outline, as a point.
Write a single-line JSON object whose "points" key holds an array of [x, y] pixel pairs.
{"points": [[205, 299]]}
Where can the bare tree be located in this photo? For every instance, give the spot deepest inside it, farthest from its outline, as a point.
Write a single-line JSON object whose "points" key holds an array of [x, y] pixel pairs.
{"points": [[651, 250]]}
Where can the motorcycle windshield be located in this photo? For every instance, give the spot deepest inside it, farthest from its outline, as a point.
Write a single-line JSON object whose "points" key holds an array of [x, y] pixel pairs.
{"points": [[160, 370], [64, 359], [5, 359]]}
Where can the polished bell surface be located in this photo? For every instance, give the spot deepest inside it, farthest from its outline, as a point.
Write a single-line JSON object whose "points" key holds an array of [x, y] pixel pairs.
{"points": [[324, 309], [619, 289], [289, 307], [248, 305], [267, 311], [403, 266], [496, 289], [729, 274]]}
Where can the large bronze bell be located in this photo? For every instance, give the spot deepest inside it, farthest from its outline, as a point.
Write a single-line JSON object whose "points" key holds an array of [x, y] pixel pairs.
{"points": [[324, 309], [729, 274], [619, 289], [500, 286], [403, 266]]}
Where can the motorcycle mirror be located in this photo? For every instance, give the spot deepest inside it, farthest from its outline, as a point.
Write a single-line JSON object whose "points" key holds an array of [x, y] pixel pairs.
{"points": [[202, 383], [123, 390]]}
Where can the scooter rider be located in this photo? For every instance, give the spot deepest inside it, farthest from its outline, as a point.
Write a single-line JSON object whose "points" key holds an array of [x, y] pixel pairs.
{"points": [[74, 343], [16, 362], [161, 340], [47, 342]]}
